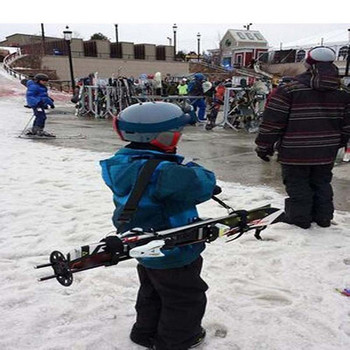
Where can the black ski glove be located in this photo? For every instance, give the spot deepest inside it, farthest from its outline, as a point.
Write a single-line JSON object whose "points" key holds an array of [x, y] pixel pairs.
{"points": [[52, 106], [264, 153], [217, 190], [113, 244]]}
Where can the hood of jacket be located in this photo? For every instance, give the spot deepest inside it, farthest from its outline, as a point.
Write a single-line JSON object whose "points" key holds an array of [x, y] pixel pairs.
{"points": [[321, 76]]}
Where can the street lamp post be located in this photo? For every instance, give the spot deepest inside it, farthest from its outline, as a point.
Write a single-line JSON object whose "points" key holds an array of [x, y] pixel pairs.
{"points": [[174, 31], [199, 45], [116, 34], [43, 38], [348, 57], [68, 38], [169, 40]]}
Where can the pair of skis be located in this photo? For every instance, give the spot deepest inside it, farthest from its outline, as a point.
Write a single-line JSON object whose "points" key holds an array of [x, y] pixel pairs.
{"points": [[137, 243], [59, 137]]}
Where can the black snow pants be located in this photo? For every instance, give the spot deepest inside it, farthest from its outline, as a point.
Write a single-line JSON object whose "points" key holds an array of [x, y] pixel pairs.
{"points": [[310, 193], [170, 305]]}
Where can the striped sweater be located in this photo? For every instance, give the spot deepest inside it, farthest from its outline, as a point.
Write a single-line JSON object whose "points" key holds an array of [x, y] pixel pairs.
{"points": [[308, 119]]}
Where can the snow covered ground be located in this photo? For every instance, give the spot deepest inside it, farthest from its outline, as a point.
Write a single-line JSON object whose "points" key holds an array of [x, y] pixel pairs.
{"points": [[275, 294]]}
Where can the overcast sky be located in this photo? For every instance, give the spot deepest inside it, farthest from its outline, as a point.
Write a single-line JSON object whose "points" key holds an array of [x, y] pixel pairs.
{"points": [[151, 21]]}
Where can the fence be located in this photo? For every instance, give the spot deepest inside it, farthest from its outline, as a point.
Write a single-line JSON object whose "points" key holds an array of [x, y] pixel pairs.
{"points": [[60, 85], [6, 64]]}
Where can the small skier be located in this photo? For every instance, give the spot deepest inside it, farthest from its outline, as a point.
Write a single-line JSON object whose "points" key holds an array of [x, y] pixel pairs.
{"points": [[214, 108], [171, 300], [39, 100], [195, 88]]}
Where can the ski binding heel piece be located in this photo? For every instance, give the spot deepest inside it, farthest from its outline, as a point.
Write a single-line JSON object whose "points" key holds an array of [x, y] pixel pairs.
{"points": [[149, 250]]}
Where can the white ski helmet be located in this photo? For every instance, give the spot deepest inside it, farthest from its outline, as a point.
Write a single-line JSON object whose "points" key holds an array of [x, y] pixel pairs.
{"points": [[319, 54], [159, 123], [207, 85]]}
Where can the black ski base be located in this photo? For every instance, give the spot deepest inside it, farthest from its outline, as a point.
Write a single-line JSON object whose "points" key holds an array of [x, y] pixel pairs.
{"points": [[56, 137]]}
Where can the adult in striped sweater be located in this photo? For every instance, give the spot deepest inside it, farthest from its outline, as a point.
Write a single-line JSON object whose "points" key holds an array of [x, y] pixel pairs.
{"points": [[307, 121]]}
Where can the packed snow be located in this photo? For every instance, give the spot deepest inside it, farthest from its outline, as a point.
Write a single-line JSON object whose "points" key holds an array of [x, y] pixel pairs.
{"points": [[275, 294]]}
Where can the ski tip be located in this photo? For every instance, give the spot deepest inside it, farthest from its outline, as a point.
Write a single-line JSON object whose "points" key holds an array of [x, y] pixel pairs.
{"points": [[345, 292]]}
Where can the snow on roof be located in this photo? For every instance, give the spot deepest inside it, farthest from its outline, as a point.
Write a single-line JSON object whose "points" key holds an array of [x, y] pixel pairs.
{"points": [[330, 38], [10, 49]]}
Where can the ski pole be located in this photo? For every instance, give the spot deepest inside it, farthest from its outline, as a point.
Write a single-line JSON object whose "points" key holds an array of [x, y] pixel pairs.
{"points": [[31, 118], [223, 204]]}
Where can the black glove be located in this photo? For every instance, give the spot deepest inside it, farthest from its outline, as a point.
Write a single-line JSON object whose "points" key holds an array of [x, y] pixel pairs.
{"points": [[113, 244], [217, 190], [263, 153], [52, 106]]}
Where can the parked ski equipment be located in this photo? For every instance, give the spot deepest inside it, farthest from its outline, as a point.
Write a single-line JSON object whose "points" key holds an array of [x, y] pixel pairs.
{"points": [[137, 243]]}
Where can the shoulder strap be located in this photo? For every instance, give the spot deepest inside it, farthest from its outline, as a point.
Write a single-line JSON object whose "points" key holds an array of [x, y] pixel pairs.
{"points": [[138, 190]]}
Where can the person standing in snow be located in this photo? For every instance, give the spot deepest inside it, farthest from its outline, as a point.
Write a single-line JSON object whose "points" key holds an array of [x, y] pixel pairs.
{"points": [[157, 83], [307, 121], [38, 99], [182, 88], [171, 300], [195, 88]]}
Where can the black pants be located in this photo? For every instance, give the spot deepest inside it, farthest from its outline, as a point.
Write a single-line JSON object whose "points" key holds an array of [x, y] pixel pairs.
{"points": [[310, 193], [170, 305]]}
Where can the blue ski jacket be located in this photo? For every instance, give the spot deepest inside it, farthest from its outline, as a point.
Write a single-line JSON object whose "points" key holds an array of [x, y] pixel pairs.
{"points": [[37, 95], [169, 199]]}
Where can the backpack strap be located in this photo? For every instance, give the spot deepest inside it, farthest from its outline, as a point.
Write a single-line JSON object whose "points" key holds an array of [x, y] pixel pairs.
{"points": [[139, 188]]}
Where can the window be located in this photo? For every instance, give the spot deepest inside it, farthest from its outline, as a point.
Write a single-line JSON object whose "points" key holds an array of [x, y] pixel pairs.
{"points": [[343, 53], [226, 62], [250, 36], [300, 55], [228, 42], [258, 36], [241, 35]]}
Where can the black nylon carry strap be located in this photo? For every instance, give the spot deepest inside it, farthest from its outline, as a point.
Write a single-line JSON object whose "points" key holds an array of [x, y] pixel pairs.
{"points": [[138, 190]]}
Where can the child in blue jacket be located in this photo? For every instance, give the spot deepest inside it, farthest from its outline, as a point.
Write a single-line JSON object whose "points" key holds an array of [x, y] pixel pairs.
{"points": [[38, 99], [171, 300]]}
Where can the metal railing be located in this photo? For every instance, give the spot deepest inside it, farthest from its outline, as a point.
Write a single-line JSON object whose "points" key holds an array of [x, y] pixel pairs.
{"points": [[6, 64]]}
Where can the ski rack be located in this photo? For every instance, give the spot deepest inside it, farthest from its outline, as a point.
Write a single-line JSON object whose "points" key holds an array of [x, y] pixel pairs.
{"points": [[102, 101], [227, 108]]}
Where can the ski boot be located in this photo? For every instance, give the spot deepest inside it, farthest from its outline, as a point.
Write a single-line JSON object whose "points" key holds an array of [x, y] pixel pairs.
{"points": [[199, 340], [29, 132], [39, 131], [44, 133], [211, 118], [196, 342]]}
